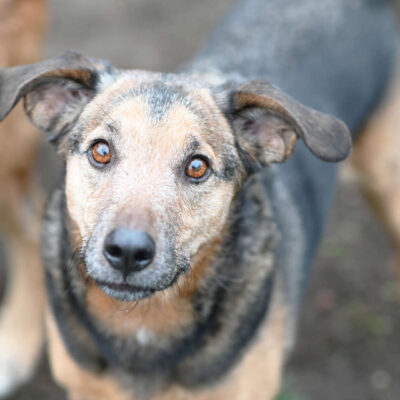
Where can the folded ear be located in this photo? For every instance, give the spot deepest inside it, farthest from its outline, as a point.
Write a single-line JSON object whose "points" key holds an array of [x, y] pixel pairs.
{"points": [[268, 122], [54, 91]]}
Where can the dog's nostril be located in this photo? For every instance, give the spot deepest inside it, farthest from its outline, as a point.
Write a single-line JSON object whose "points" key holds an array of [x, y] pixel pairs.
{"points": [[114, 251], [129, 250], [143, 255]]}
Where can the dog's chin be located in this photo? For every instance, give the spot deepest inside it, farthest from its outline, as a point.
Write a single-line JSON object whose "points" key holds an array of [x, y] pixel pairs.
{"points": [[124, 292]]}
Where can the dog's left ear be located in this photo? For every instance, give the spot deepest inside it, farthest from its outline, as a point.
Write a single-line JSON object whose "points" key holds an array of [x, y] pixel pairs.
{"points": [[268, 122]]}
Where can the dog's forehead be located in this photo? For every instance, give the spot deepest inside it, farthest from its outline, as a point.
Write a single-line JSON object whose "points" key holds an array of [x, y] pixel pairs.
{"points": [[158, 91], [156, 99]]}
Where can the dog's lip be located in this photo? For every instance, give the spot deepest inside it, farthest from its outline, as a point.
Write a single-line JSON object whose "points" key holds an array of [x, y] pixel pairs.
{"points": [[123, 287], [121, 290]]}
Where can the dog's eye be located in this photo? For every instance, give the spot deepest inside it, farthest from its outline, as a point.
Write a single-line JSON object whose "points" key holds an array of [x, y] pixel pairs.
{"points": [[197, 169], [100, 154]]}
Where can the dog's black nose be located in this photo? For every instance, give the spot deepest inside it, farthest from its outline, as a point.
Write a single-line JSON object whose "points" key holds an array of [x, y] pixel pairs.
{"points": [[129, 250]]}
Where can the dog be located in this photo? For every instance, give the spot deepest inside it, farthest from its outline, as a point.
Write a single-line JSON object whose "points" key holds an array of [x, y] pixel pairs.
{"points": [[22, 24], [178, 243]]}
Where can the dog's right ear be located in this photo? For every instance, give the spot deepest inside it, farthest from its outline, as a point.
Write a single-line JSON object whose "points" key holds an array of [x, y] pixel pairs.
{"points": [[54, 91], [267, 123]]}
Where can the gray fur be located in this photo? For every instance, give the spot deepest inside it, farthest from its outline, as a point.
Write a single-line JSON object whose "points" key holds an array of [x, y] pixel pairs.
{"points": [[332, 55]]}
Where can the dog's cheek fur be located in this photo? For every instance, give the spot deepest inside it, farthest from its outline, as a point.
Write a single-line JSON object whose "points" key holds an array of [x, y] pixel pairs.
{"points": [[203, 214], [203, 208], [83, 195]]}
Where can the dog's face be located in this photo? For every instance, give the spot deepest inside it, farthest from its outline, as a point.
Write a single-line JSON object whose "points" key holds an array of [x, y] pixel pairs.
{"points": [[151, 171], [154, 161]]}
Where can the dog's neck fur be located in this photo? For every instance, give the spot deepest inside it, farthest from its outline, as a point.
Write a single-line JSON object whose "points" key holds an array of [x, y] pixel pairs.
{"points": [[200, 353]]}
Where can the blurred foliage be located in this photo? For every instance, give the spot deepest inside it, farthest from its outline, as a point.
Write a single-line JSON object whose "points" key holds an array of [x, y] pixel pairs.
{"points": [[284, 395]]}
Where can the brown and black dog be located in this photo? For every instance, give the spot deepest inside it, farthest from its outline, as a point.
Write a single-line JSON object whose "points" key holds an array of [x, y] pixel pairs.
{"points": [[178, 242], [22, 24]]}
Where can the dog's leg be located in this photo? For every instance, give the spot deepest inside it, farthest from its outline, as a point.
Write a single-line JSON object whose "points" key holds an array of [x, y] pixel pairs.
{"points": [[21, 31], [21, 324], [21, 327], [376, 159]]}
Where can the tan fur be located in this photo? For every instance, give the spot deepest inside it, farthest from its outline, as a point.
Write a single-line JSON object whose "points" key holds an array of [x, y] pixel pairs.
{"points": [[256, 377], [21, 30], [377, 160]]}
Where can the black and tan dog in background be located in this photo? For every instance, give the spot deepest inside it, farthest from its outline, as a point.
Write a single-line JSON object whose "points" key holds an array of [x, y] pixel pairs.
{"points": [[22, 25], [177, 246]]}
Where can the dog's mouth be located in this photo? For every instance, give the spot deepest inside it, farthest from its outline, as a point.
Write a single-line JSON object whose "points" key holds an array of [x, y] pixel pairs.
{"points": [[162, 273], [124, 291], [130, 292]]}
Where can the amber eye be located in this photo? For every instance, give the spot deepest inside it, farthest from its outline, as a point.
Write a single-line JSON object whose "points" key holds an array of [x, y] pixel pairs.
{"points": [[100, 153], [197, 168]]}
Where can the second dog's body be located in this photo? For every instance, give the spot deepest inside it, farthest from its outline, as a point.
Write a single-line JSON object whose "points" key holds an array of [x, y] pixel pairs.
{"points": [[21, 310], [174, 261]]}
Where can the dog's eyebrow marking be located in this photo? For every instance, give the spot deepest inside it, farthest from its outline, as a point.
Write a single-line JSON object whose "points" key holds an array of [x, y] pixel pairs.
{"points": [[77, 137], [192, 146], [112, 127], [189, 149]]}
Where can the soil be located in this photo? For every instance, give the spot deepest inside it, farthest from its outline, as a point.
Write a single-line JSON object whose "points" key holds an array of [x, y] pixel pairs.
{"points": [[348, 344]]}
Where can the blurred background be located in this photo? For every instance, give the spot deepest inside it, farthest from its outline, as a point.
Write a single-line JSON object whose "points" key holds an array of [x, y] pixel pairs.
{"points": [[348, 343]]}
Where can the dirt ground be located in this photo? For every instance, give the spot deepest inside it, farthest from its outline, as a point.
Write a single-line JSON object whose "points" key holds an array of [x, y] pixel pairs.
{"points": [[348, 344]]}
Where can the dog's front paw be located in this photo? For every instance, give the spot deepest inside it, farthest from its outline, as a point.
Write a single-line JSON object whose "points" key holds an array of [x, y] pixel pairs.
{"points": [[21, 338], [15, 369]]}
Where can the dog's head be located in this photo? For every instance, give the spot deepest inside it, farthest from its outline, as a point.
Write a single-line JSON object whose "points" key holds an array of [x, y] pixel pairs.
{"points": [[154, 161]]}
